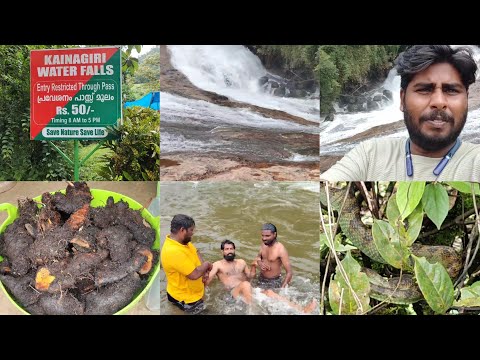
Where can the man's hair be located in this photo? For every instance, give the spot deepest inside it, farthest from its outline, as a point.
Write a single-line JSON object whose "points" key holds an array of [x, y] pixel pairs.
{"points": [[270, 227], [224, 242], [181, 221], [419, 57]]}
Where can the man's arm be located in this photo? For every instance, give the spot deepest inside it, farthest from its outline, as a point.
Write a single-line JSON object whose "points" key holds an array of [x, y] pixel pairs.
{"points": [[250, 272], [286, 264], [212, 273], [352, 167], [200, 256], [261, 263], [200, 270]]}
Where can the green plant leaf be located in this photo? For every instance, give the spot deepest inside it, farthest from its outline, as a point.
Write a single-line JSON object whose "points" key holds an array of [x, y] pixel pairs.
{"points": [[435, 203], [339, 291], [336, 242], [409, 194], [435, 284], [469, 296], [388, 244], [127, 175], [393, 214], [465, 187], [415, 220]]}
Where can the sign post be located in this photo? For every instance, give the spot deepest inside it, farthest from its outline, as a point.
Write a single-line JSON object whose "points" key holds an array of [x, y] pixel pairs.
{"points": [[75, 94]]}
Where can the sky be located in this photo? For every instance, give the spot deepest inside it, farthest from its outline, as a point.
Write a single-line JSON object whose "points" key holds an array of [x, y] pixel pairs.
{"points": [[145, 49]]}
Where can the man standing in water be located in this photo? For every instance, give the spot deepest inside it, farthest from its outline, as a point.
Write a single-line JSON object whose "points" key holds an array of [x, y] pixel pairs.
{"points": [[272, 256], [235, 275], [184, 268]]}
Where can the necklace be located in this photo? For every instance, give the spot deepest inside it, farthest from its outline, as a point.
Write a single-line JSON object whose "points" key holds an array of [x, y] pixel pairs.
{"points": [[441, 165]]}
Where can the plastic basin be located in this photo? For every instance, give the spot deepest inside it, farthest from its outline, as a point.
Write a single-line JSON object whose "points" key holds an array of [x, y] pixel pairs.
{"points": [[99, 200]]}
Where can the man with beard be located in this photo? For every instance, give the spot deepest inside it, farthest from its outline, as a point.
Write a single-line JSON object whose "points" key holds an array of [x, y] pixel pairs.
{"points": [[184, 268], [271, 257], [235, 275], [434, 101]]}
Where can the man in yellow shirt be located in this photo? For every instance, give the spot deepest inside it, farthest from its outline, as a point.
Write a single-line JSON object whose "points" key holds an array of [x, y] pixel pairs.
{"points": [[184, 268]]}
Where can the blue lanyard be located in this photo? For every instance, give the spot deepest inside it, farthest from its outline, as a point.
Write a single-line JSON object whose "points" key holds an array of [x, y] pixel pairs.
{"points": [[441, 165]]}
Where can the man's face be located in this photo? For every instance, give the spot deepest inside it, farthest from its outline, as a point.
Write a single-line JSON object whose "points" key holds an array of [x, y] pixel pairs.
{"points": [[228, 252], [435, 106], [187, 234], [268, 237]]}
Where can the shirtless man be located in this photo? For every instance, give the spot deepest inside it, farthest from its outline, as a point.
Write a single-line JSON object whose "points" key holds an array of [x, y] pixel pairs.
{"points": [[271, 257], [235, 275]]}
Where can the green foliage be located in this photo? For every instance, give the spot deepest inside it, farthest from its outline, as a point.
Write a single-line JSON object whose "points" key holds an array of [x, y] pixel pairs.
{"points": [[91, 169], [435, 284], [409, 233], [346, 67], [409, 195], [136, 156], [388, 244], [337, 243], [149, 69], [394, 238], [292, 57], [21, 158], [435, 203], [469, 296], [341, 297], [146, 78], [415, 220], [465, 187], [329, 85]]}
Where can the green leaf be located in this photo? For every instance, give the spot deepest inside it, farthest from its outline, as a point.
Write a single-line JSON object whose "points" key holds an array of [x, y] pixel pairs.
{"points": [[338, 289], [469, 296], [465, 187], [138, 48], [388, 244], [415, 220], [409, 194], [435, 284], [127, 175], [336, 242], [393, 214], [435, 203]]}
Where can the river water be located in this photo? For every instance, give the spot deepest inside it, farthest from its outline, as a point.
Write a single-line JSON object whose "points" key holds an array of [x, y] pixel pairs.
{"points": [[236, 211]]}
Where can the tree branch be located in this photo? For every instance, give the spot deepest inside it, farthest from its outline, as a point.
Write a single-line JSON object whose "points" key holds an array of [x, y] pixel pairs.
{"points": [[459, 220]]}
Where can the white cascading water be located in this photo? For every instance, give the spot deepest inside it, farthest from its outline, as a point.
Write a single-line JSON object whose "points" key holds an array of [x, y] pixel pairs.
{"points": [[234, 71], [348, 125]]}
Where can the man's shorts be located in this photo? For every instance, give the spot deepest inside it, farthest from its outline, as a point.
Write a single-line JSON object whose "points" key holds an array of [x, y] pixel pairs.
{"points": [[193, 308], [266, 283]]}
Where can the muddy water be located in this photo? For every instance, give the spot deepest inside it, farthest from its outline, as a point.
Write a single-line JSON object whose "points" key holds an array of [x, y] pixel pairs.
{"points": [[236, 211]]}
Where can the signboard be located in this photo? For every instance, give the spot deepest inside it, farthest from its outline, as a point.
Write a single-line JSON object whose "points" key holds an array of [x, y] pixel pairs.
{"points": [[75, 93]]}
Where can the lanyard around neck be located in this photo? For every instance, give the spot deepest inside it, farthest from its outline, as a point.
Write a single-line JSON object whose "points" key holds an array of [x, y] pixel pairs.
{"points": [[441, 165]]}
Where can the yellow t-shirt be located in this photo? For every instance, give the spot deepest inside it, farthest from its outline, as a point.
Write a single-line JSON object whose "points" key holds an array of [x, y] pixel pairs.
{"points": [[178, 261]]}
